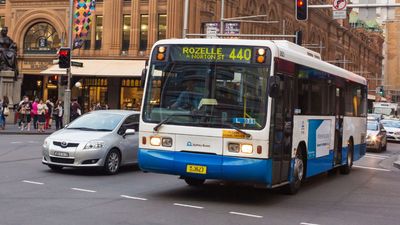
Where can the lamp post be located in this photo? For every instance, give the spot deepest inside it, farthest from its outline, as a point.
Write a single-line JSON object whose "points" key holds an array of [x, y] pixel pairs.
{"points": [[67, 94]]}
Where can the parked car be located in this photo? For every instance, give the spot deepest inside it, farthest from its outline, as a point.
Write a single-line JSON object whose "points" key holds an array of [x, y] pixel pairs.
{"points": [[393, 129], [105, 139], [376, 136]]}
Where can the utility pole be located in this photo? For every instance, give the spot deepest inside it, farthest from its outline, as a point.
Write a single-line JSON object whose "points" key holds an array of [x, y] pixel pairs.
{"points": [[221, 29], [185, 19], [67, 95]]}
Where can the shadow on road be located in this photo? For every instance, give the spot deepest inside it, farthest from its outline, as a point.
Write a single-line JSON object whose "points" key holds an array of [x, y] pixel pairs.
{"points": [[95, 171]]}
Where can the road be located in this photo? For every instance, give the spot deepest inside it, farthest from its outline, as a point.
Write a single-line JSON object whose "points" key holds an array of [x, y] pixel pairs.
{"points": [[31, 194]]}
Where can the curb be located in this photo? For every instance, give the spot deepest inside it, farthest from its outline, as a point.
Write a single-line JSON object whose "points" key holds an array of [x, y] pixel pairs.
{"points": [[397, 163]]}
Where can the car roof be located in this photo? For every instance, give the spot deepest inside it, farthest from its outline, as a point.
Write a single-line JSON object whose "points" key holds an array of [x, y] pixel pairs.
{"points": [[117, 111]]}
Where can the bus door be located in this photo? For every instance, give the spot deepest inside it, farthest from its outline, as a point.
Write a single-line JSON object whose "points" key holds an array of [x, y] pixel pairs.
{"points": [[339, 114], [282, 129]]}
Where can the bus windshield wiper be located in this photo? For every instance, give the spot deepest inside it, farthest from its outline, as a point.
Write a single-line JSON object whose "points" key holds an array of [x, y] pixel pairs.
{"points": [[157, 127]]}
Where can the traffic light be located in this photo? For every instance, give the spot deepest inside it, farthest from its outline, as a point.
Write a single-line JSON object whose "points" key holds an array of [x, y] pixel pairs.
{"points": [[64, 58], [301, 10]]}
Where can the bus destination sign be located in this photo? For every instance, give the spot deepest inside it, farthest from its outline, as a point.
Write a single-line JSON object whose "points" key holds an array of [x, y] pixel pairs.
{"points": [[229, 54]]}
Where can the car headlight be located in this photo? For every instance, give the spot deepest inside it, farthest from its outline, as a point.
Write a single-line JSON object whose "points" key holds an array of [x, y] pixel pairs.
{"points": [[155, 141], [166, 142], [374, 138], [397, 133], [94, 145], [46, 143]]}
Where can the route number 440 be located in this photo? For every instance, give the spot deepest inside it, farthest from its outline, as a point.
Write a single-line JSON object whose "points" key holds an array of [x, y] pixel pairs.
{"points": [[240, 54]]}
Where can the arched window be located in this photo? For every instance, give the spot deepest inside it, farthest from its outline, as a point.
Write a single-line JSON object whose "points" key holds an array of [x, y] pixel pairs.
{"points": [[41, 38]]}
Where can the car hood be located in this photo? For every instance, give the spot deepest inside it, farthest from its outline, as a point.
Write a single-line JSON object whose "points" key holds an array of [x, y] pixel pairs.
{"points": [[392, 129], [78, 135], [372, 132]]}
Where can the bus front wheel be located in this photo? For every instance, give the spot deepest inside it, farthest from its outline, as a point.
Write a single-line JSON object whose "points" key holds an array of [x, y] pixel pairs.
{"points": [[298, 174], [193, 181], [345, 169]]}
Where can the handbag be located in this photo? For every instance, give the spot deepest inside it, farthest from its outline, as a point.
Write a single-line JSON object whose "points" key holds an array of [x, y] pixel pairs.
{"points": [[6, 111]]}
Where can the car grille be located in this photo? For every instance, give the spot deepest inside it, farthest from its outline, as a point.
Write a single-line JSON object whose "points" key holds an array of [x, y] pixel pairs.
{"points": [[62, 160], [69, 145]]}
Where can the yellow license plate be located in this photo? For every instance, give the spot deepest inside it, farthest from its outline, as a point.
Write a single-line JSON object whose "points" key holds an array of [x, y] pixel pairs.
{"points": [[196, 169]]}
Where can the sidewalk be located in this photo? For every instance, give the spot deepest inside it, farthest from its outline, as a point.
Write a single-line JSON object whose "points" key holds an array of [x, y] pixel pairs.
{"points": [[13, 129]]}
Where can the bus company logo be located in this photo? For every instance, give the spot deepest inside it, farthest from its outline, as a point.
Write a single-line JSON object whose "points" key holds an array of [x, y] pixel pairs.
{"points": [[190, 144]]}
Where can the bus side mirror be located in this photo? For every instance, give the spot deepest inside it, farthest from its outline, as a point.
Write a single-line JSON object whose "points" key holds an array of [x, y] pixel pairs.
{"points": [[143, 78], [274, 86]]}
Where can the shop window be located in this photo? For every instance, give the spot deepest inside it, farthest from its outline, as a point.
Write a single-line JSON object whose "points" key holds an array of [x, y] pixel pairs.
{"points": [[99, 32], [131, 94], [41, 38], [126, 31], [96, 91], [144, 28], [162, 26], [2, 22]]}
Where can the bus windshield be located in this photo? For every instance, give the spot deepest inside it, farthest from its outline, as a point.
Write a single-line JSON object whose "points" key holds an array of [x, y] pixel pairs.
{"points": [[207, 94], [384, 111]]}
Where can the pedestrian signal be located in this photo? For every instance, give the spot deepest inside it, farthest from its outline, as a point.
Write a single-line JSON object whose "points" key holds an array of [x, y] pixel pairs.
{"points": [[64, 58]]}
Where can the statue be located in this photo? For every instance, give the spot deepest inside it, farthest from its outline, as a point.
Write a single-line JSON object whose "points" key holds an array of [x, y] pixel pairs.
{"points": [[8, 53]]}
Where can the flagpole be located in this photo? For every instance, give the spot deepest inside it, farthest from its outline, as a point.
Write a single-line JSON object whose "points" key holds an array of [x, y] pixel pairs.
{"points": [[67, 94]]}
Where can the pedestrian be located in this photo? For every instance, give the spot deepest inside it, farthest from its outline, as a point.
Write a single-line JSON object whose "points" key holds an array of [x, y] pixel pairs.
{"points": [[58, 113], [49, 114], [25, 112], [76, 110], [34, 113], [5, 111], [41, 115]]}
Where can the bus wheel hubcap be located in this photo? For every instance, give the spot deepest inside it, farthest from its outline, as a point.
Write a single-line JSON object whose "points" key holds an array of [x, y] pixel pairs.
{"points": [[299, 168]]}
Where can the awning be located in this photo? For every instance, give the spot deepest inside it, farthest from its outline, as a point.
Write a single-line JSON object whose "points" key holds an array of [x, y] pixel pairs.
{"points": [[101, 68]]}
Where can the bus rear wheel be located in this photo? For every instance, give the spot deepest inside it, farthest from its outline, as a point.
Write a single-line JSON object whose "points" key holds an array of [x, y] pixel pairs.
{"points": [[298, 174], [194, 181]]}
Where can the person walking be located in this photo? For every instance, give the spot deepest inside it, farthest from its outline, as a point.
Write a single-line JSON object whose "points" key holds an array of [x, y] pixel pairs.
{"points": [[25, 112], [58, 113], [76, 110], [41, 114], [49, 114], [4, 112], [34, 113]]}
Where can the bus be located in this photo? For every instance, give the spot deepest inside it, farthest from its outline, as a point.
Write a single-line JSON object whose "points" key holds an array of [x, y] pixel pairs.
{"points": [[268, 113], [386, 109]]}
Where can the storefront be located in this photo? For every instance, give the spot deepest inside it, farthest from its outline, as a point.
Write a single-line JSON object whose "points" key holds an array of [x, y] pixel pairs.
{"points": [[114, 84]]}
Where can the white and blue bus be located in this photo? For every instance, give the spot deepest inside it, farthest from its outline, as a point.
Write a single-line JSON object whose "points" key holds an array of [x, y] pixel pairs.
{"points": [[270, 113]]}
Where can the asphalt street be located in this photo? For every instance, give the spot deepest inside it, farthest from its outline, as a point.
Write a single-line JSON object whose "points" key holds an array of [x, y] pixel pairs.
{"points": [[32, 194]]}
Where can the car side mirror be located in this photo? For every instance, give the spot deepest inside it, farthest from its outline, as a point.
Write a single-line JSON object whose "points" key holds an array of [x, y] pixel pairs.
{"points": [[129, 132], [274, 86]]}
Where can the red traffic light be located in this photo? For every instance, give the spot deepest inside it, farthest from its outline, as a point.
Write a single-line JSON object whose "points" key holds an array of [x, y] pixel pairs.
{"points": [[64, 52], [64, 58], [301, 10]]}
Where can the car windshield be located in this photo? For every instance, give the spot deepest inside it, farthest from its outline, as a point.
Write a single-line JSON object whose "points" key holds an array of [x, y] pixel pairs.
{"points": [[391, 123], [96, 122], [208, 94], [372, 126], [384, 111]]}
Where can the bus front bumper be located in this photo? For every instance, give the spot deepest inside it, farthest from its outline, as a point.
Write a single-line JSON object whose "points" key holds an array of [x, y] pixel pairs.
{"points": [[218, 167]]}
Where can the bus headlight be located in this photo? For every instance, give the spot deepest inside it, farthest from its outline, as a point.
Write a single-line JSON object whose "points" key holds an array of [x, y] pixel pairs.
{"points": [[246, 148], [167, 142], [233, 147], [155, 141]]}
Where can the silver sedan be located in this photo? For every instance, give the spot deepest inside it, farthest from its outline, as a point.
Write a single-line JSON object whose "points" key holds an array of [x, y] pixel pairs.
{"points": [[105, 139]]}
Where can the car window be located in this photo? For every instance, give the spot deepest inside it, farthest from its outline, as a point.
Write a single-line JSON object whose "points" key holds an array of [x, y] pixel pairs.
{"points": [[372, 126], [131, 122]]}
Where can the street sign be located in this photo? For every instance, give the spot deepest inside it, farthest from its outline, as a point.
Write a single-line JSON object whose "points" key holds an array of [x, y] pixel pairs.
{"points": [[339, 8], [211, 29], [77, 64], [231, 28]]}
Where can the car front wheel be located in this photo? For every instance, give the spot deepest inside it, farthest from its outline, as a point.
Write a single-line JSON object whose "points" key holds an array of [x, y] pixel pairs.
{"points": [[112, 162]]}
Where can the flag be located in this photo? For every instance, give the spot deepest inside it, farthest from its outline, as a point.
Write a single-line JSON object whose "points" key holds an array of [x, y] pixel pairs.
{"points": [[83, 16]]}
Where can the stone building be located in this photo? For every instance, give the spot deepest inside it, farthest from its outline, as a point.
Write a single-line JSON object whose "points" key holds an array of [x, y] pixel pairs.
{"points": [[123, 32]]}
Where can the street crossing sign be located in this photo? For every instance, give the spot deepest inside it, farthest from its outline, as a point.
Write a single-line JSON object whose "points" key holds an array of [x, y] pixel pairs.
{"points": [[339, 8]]}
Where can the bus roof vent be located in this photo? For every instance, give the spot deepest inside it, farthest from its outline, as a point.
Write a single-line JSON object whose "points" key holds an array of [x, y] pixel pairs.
{"points": [[287, 45]]}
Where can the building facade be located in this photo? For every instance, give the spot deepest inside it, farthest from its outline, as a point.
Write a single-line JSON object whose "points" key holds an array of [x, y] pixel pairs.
{"points": [[125, 30]]}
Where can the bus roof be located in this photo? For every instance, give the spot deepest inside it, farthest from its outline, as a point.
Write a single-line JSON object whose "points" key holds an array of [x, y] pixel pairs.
{"points": [[283, 49]]}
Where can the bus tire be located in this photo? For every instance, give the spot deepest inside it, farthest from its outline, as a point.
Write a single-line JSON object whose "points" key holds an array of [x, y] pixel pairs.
{"points": [[298, 173], [194, 181], [345, 169]]}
